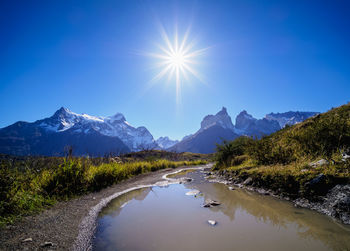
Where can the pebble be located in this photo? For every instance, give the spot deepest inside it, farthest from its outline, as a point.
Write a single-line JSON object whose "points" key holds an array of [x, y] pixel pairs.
{"points": [[47, 244], [212, 222]]}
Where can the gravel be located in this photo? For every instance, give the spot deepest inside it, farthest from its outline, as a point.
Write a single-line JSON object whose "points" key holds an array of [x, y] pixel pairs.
{"points": [[58, 227]]}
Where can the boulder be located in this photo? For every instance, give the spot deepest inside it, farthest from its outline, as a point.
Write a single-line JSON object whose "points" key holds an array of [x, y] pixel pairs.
{"points": [[315, 181], [212, 222], [345, 157], [320, 162], [211, 203], [248, 181]]}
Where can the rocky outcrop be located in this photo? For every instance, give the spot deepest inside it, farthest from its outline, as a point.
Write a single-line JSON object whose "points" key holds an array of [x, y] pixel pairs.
{"points": [[221, 118], [336, 203]]}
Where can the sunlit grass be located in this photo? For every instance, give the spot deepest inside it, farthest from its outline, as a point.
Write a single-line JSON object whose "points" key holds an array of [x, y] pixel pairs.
{"points": [[27, 192]]}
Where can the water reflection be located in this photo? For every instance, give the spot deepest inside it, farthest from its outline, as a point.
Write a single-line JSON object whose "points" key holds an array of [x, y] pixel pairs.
{"points": [[157, 218], [269, 210], [115, 206]]}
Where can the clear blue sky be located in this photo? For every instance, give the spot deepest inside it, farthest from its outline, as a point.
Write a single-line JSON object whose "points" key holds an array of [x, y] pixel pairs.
{"points": [[266, 56]]}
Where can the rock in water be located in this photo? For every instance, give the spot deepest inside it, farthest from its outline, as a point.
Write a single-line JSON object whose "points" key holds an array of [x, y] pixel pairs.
{"points": [[192, 192], [211, 203], [212, 222]]}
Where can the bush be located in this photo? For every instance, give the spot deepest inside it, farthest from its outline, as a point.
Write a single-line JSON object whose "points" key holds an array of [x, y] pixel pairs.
{"points": [[67, 180], [226, 152]]}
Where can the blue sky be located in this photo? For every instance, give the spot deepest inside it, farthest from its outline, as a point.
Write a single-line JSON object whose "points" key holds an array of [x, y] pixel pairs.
{"points": [[264, 56]]}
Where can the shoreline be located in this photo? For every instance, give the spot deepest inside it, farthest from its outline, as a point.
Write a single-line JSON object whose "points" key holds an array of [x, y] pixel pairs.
{"points": [[60, 226], [335, 204]]}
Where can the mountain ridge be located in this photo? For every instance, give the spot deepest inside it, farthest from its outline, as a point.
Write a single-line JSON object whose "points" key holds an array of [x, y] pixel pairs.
{"points": [[97, 135], [245, 124]]}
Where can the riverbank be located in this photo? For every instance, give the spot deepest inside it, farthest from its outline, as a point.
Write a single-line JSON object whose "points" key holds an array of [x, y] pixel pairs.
{"points": [[332, 201], [31, 185], [59, 226]]}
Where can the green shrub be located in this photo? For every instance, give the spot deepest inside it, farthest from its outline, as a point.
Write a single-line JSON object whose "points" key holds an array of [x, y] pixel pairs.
{"points": [[67, 180], [227, 151]]}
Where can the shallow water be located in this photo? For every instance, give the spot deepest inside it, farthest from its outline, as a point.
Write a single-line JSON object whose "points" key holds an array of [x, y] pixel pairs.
{"points": [[165, 218]]}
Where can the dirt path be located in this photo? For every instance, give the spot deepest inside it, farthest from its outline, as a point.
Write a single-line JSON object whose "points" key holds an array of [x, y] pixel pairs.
{"points": [[60, 225]]}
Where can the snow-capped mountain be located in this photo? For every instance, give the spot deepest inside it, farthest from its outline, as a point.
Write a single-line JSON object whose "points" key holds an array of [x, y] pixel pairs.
{"points": [[103, 135], [87, 134], [246, 124], [114, 126], [165, 142], [216, 128], [290, 118]]}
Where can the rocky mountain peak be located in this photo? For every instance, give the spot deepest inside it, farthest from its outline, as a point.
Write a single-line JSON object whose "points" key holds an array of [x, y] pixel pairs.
{"points": [[117, 117], [62, 112], [289, 118], [244, 119], [221, 118], [166, 142], [223, 112]]}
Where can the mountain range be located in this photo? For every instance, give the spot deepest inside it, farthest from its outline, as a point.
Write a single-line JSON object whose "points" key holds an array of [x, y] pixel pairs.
{"points": [[216, 128], [97, 136]]}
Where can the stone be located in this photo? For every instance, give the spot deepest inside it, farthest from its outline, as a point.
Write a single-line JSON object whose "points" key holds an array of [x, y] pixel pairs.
{"points": [[192, 192], [232, 188], [320, 162], [318, 179], [211, 203], [47, 244], [212, 222], [248, 181], [345, 157], [27, 240], [262, 191]]}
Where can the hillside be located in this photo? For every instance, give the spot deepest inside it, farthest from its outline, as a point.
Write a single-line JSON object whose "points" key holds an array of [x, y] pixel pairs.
{"points": [[308, 163], [326, 135]]}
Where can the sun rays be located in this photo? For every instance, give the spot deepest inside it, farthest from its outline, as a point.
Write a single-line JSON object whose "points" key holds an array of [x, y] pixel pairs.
{"points": [[176, 60]]}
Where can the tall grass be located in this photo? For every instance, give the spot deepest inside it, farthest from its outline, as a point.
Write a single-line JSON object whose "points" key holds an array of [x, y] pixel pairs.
{"points": [[28, 191], [281, 160]]}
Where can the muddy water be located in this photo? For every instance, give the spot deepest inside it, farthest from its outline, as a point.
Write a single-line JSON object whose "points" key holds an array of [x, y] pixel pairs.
{"points": [[165, 218]]}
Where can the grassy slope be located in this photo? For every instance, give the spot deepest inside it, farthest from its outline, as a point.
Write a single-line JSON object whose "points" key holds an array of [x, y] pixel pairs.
{"points": [[28, 185], [281, 161]]}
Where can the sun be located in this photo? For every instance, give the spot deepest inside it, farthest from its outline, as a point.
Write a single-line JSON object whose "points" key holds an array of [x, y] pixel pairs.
{"points": [[176, 59]]}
